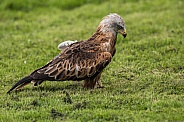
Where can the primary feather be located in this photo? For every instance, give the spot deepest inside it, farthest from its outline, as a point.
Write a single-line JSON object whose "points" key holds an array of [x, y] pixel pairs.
{"points": [[84, 60]]}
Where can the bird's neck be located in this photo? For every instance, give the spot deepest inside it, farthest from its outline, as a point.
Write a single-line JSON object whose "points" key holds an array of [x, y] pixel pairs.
{"points": [[106, 37]]}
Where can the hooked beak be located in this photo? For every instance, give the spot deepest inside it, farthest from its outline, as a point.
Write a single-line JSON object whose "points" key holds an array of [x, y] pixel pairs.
{"points": [[123, 33]]}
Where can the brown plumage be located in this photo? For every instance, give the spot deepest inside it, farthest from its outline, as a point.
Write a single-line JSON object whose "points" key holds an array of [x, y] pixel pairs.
{"points": [[84, 60]]}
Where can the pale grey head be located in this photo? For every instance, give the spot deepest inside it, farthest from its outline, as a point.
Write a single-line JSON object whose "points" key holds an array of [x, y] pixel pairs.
{"points": [[113, 22]]}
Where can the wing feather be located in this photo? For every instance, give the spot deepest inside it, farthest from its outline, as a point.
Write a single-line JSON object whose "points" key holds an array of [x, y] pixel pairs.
{"points": [[74, 63]]}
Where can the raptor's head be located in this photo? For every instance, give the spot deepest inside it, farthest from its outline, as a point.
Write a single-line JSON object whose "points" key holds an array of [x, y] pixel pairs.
{"points": [[114, 22]]}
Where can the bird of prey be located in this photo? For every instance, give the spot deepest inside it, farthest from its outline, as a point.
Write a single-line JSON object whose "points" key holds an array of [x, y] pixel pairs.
{"points": [[83, 60]]}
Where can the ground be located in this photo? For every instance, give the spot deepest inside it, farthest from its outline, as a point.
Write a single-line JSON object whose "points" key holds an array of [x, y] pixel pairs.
{"points": [[144, 81]]}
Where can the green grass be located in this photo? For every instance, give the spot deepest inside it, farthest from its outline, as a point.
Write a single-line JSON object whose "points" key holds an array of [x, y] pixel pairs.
{"points": [[144, 81]]}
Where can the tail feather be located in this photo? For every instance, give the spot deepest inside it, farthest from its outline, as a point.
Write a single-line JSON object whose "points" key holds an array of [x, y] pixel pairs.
{"points": [[24, 81]]}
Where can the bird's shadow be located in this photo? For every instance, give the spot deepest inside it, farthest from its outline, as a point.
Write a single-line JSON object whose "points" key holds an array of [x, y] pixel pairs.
{"points": [[51, 88]]}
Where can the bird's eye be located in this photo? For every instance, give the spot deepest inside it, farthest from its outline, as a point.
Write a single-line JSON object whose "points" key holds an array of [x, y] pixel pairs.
{"points": [[120, 27]]}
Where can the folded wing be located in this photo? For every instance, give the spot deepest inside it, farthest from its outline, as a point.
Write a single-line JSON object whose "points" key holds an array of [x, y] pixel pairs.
{"points": [[74, 63]]}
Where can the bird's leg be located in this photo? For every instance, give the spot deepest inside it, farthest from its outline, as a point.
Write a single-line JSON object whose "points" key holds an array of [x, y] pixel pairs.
{"points": [[90, 83], [99, 84]]}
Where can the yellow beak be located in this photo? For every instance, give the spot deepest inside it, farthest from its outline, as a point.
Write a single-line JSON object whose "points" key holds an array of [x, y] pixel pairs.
{"points": [[123, 33]]}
